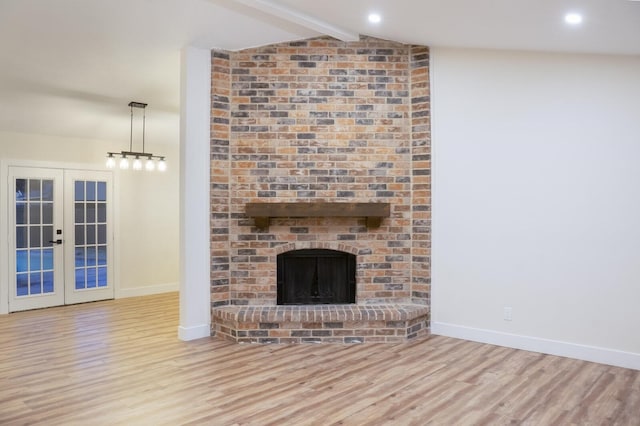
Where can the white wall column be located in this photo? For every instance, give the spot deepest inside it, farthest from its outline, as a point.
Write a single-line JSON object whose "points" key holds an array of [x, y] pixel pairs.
{"points": [[195, 90]]}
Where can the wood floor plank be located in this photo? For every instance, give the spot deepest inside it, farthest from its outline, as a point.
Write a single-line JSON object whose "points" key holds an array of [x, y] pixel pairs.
{"points": [[120, 363]]}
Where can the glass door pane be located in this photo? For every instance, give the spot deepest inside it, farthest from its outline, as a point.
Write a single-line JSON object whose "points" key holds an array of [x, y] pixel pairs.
{"points": [[91, 234], [34, 234]]}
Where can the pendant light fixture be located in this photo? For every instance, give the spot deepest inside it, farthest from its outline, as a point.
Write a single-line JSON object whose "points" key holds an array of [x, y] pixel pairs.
{"points": [[151, 162]]}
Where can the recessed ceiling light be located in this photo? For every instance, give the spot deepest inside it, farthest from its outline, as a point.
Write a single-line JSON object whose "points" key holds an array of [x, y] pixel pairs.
{"points": [[375, 18], [573, 18]]}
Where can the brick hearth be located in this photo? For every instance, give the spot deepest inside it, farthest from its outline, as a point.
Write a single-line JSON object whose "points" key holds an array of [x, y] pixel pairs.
{"points": [[310, 121], [321, 323]]}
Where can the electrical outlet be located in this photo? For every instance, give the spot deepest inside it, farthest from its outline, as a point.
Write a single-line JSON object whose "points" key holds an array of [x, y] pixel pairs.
{"points": [[508, 313]]}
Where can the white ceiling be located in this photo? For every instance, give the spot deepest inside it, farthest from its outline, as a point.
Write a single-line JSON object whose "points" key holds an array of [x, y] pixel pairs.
{"points": [[70, 67]]}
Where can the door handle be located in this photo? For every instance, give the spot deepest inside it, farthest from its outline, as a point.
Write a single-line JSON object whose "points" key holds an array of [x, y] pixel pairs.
{"points": [[56, 241]]}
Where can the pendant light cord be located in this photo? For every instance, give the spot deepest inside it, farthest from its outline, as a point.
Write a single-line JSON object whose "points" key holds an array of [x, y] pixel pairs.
{"points": [[143, 127], [131, 133]]}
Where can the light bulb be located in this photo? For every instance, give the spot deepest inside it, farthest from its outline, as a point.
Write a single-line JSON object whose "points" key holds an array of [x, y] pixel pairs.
{"points": [[162, 165], [137, 164], [573, 18], [375, 18], [150, 165], [124, 163], [111, 162]]}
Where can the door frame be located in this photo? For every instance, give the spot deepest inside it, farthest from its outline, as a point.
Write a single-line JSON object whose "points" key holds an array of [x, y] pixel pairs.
{"points": [[5, 274]]}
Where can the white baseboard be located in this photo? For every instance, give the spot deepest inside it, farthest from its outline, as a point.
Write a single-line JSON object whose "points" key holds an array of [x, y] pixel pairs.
{"points": [[147, 290], [535, 344], [194, 332]]}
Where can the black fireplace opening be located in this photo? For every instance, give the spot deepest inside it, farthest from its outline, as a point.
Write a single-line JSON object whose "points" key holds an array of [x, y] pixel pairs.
{"points": [[316, 276]]}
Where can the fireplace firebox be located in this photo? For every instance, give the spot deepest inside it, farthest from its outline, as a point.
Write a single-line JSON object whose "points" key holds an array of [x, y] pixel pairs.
{"points": [[316, 276]]}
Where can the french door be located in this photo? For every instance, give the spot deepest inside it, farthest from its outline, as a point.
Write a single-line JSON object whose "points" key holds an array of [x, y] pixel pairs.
{"points": [[60, 237]]}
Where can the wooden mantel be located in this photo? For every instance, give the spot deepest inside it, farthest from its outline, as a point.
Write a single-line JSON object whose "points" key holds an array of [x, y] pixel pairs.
{"points": [[262, 212]]}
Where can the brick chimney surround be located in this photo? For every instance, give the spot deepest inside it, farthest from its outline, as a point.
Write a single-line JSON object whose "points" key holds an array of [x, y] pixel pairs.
{"points": [[306, 126]]}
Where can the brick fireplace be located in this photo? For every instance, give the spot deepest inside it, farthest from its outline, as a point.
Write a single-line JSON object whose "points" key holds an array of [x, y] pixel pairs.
{"points": [[315, 122]]}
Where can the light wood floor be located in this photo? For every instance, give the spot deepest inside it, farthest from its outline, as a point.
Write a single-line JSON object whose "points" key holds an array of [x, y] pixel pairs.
{"points": [[120, 363]]}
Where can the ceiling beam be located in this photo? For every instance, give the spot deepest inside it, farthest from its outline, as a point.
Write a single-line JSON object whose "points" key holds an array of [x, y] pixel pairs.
{"points": [[296, 17]]}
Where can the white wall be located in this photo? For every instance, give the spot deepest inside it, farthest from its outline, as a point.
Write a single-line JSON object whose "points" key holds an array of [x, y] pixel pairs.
{"points": [[149, 229], [536, 201], [146, 207]]}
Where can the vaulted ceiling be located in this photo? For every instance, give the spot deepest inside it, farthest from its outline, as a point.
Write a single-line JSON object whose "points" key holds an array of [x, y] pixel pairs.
{"points": [[70, 67]]}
